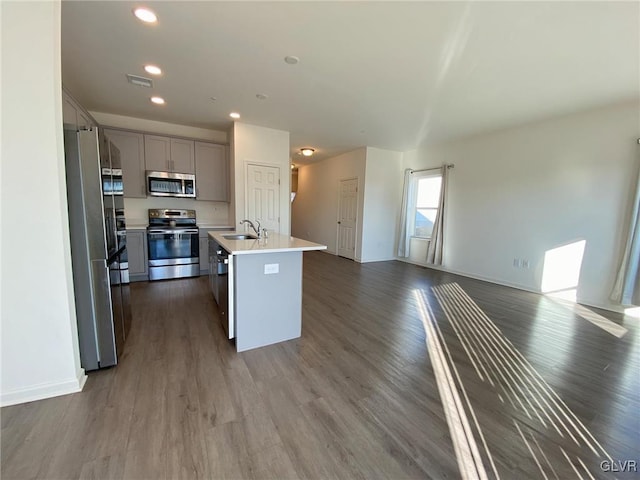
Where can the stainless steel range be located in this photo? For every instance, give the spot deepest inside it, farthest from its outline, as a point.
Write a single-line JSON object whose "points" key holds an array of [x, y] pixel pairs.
{"points": [[173, 244]]}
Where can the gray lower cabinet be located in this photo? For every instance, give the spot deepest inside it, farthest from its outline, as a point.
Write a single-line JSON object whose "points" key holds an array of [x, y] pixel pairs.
{"points": [[138, 256], [204, 251]]}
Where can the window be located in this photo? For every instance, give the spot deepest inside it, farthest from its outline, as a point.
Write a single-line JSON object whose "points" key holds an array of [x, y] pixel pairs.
{"points": [[427, 198]]}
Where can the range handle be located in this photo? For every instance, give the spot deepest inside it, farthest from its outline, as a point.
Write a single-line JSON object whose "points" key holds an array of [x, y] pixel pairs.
{"points": [[194, 230]]}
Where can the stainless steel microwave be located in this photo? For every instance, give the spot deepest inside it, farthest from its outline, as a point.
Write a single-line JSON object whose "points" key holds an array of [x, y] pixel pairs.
{"points": [[169, 184]]}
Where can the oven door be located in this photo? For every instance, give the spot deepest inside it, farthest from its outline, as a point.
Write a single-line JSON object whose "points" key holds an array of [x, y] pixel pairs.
{"points": [[112, 181], [173, 246]]}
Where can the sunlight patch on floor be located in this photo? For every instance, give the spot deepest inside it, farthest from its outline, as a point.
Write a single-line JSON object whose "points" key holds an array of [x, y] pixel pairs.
{"points": [[591, 316], [632, 312]]}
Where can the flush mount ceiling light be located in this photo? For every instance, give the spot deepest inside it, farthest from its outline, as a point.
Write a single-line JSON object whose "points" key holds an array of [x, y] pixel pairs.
{"points": [[261, 96], [158, 100], [145, 15], [234, 115], [307, 152], [291, 59], [153, 70]]}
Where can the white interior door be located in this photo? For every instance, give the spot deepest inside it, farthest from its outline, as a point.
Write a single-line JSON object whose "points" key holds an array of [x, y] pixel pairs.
{"points": [[347, 218], [263, 196]]}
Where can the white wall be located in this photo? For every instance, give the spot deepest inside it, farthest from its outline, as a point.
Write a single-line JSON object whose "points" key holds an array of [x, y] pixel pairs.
{"points": [[266, 146], [207, 213], [315, 209], [382, 199], [136, 209], [232, 176], [40, 356], [520, 192]]}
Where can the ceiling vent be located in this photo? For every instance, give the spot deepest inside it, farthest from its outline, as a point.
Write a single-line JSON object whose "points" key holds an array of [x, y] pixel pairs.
{"points": [[140, 81]]}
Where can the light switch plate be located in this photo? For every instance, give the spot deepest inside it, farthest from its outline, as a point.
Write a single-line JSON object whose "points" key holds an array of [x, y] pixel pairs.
{"points": [[271, 268]]}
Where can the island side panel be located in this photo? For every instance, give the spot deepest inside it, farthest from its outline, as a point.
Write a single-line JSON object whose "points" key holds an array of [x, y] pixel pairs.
{"points": [[268, 306]]}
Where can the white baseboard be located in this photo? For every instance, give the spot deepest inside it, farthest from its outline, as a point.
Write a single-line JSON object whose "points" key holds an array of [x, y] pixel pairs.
{"points": [[381, 259], [589, 303], [44, 390]]}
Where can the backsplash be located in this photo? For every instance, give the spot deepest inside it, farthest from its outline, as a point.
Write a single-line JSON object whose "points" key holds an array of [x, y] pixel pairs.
{"points": [[210, 213]]}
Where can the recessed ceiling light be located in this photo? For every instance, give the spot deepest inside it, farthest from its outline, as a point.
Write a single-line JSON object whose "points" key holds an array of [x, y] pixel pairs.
{"points": [[234, 115], [158, 100], [291, 60], [307, 152], [152, 69], [145, 15]]}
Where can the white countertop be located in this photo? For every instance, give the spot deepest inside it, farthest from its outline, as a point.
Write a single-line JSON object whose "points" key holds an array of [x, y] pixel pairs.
{"points": [[210, 226], [275, 243], [137, 226]]}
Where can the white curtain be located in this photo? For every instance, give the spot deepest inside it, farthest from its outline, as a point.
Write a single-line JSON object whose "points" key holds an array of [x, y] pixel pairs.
{"points": [[626, 290], [436, 244], [404, 234]]}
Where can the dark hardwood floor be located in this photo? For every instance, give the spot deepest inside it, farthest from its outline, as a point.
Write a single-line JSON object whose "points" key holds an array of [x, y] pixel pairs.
{"points": [[539, 391]]}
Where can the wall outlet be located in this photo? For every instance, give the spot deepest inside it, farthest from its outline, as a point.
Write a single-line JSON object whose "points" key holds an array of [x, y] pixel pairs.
{"points": [[271, 268]]}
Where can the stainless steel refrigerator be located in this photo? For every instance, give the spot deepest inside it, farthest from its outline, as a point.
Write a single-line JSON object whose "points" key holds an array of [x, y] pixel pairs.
{"points": [[96, 224]]}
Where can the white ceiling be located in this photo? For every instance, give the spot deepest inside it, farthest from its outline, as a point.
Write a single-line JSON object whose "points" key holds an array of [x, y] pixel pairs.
{"points": [[393, 75]]}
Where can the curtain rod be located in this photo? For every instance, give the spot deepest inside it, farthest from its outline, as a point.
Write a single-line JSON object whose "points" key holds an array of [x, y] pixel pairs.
{"points": [[451, 165]]}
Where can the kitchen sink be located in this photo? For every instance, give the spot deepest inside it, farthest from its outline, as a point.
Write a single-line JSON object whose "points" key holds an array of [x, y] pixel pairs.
{"points": [[240, 236]]}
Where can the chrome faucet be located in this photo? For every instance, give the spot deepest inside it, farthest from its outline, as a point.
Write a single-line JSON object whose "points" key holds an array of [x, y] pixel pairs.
{"points": [[257, 230]]}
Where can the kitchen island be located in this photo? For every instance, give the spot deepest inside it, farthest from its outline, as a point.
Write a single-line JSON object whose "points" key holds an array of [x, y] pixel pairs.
{"points": [[257, 283]]}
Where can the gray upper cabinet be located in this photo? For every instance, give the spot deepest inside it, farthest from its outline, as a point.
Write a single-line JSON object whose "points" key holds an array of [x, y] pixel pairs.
{"points": [[131, 146], [157, 153], [212, 172], [182, 156], [69, 111], [166, 154], [73, 115], [84, 120]]}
